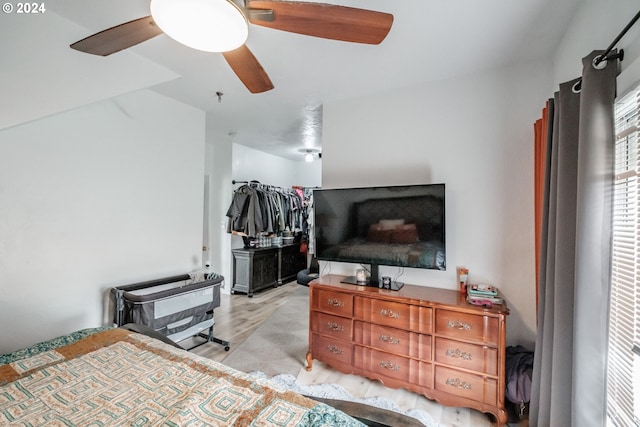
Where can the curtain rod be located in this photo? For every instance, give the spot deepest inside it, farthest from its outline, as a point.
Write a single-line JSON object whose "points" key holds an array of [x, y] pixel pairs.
{"points": [[620, 54]]}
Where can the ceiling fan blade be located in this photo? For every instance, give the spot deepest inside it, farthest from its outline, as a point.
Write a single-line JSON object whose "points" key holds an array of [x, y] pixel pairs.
{"points": [[325, 20], [248, 69], [120, 37]]}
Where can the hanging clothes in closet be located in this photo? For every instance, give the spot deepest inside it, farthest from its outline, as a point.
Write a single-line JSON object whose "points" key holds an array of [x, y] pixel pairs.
{"points": [[307, 215], [264, 209]]}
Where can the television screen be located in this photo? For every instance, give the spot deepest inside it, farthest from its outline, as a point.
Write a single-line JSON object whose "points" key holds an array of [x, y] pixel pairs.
{"points": [[396, 226]]}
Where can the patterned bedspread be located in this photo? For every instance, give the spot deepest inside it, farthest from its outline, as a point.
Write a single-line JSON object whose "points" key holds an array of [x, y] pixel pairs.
{"points": [[116, 377]]}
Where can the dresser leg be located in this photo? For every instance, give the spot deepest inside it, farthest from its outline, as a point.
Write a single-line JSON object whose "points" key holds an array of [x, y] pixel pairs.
{"points": [[309, 361], [502, 417]]}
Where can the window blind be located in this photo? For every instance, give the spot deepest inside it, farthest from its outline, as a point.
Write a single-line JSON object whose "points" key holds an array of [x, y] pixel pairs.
{"points": [[623, 370]]}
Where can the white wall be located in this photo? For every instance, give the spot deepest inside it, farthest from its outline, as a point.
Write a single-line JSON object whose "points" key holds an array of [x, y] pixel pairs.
{"points": [[308, 174], [219, 155], [475, 134], [104, 195], [250, 164], [42, 76]]}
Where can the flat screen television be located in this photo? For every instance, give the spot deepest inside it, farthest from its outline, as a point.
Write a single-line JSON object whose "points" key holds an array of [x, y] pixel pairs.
{"points": [[400, 226]]}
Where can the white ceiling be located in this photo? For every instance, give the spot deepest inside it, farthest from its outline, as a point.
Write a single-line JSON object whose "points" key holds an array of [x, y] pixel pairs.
{"points": [[430, 40]]}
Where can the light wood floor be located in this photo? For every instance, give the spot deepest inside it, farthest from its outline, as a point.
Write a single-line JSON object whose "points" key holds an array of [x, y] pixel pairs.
{"points": [[238, 316]]}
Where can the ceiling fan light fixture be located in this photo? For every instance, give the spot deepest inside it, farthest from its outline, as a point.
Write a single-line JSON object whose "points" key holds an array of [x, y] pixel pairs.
{"points": [[207, 25]]}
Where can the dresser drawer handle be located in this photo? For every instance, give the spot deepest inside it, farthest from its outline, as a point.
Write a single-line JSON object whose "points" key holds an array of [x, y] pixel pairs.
{"points": [[334, 326], [334, 349], [335, 302], [457, 324], [389, 340], [458, 383], [389, 313], [389, 365], [458, 354]]}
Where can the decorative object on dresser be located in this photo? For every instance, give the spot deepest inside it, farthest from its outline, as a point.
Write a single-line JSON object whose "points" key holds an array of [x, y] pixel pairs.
{"points": [[427, 340], [255, 269]]}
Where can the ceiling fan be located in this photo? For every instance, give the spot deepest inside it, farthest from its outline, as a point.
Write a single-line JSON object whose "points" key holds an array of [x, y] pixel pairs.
{"points": [[312, 19]]}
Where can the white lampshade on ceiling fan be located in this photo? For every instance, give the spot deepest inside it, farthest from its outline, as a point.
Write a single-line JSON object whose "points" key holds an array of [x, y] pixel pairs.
{"points": [[207, 25], [222, 26]]}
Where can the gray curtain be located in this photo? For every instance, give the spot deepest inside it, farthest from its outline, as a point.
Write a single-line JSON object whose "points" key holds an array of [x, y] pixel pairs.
{"points": [[568, 387]]}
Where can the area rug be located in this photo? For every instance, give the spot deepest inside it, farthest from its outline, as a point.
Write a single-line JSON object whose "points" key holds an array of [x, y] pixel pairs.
{"points": [[335, 392], [280, 344], [277, 350]]}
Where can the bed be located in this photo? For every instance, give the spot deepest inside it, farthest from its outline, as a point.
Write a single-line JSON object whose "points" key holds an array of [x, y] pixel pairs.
{"points": [[115, 376]]}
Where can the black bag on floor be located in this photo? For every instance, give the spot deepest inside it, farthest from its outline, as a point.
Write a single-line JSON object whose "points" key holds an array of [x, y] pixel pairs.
{"points": [[519, 369]]}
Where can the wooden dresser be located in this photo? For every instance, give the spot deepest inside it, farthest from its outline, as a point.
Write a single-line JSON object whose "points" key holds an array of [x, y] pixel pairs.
{"points": [[427, 340]]}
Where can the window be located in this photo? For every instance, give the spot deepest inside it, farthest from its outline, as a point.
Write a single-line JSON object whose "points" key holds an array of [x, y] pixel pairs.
{"points": [[623, 377]]}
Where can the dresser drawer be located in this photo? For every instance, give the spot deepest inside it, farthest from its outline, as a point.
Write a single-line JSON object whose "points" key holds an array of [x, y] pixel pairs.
{"points": [[382, 364], [394, 314], [334, 326], [393, 340], [426, 340], [479, 358], [333, 302], [464, 384], [465, 326], [332, 350]]}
